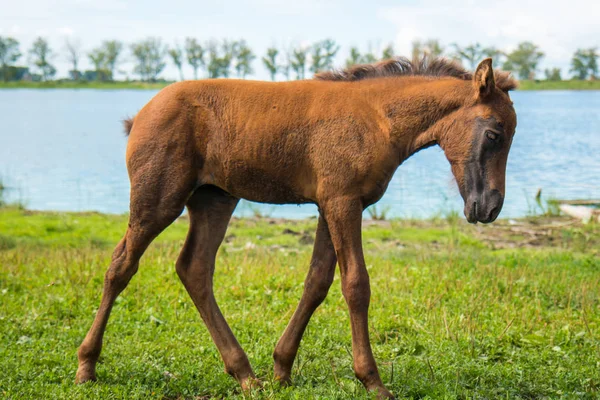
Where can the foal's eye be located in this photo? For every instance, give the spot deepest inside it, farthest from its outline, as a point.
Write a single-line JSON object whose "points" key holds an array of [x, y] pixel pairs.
{"points": [[491, 135]]}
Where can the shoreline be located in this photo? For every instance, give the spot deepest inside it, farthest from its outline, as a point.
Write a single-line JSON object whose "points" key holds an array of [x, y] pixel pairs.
{"points": [[575, 85], [535, 231]]}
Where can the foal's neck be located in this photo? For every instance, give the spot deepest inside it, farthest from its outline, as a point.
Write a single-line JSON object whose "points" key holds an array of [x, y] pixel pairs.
{"points": [[419, 109]]}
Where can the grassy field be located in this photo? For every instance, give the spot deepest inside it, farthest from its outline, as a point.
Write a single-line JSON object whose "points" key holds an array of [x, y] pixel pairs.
{"points": [[523, 85], [509, 311]]}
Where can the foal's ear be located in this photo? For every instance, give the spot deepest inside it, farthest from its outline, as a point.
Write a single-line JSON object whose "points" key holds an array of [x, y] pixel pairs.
{"points": [[483, 78]]}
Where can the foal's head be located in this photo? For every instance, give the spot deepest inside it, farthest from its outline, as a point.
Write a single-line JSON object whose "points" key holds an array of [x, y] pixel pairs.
{"points": [[477, 142]]}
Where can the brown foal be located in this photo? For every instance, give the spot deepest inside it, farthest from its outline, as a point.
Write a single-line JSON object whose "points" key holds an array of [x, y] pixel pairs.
{"points": [[335, 141]]}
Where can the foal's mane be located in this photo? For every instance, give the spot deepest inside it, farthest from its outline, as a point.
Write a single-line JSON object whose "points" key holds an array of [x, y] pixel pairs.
{"points": [[401, 66]]}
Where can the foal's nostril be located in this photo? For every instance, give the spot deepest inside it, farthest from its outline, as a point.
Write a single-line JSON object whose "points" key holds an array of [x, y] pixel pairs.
{"points": [[494, 213]]}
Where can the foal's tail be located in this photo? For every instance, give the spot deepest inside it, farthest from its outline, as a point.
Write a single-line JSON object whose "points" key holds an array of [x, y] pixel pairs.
{"points": [[128, 124]]}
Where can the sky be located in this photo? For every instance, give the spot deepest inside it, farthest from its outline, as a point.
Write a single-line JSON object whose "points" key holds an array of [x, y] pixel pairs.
{"points": [[557, 27]]}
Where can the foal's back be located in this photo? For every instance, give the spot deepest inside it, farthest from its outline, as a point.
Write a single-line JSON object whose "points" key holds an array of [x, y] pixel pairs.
{"points": [[268, 142]]}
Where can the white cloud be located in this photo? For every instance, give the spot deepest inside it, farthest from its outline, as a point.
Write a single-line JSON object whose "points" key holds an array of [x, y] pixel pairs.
{"points": [[558, 27], [297, 8], [15, 30], [66, 31]]}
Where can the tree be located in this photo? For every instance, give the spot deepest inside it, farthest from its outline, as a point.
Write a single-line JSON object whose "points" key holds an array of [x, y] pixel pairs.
{"points": [[553, 74], [431, 48], [220, 58], [177, 56], [368, 58], [270, 62], [73, 49], [112, 49], [593, 62], [41, 53], [213, 66], [474, 53], [494, 53], [354, 57], [194, 53], [105, 59], [579, 65], [243, 59], [229, 51], [470, 54], [317, 58], [331, 48], [585, 63], [524, 60], [150, 58], [323, 53], [388, 52], [9, 54], [416, 52], [98, 59], [286, 67], [298, 61]]}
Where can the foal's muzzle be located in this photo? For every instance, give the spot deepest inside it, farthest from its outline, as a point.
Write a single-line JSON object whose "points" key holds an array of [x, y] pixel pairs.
{"points": [[483, 207]]}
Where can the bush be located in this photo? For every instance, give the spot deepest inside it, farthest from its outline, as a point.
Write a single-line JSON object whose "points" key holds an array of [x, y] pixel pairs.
{"points": [[2, 188]]}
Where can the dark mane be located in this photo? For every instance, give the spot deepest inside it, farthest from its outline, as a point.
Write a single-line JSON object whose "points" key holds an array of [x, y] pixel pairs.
{"points": [[401, 66]]}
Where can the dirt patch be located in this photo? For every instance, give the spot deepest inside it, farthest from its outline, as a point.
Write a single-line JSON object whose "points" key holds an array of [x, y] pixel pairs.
{"points": [[533, 232], [538, 232]]}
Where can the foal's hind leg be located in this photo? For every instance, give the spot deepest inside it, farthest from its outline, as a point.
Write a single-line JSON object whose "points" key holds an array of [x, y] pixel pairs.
{"points": [[210, 210], [158, 195], [123, 266], [317, 284]]}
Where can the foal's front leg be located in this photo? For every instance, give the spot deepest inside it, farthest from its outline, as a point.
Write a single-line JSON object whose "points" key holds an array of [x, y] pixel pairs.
{"points": [[344, 219], [317, 284], [210, 210]]}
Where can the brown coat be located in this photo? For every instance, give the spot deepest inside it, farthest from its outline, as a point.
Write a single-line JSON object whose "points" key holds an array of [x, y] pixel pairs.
{"points": [[334, 141]]}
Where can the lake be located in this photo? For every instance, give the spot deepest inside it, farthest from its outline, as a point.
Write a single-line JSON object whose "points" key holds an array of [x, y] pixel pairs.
{"points": [[65, 150]]}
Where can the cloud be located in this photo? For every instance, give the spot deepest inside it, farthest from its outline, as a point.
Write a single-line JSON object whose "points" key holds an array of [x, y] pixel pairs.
{"points": [[14, 30], [66, 31], [558, 27], [296, 8]]}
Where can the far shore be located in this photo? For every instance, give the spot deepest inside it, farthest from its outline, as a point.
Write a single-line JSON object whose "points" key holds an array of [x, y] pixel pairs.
{"points": [[523, 85]]}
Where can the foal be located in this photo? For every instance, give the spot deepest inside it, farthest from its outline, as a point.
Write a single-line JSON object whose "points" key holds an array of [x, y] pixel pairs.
{"points": [[334, 141]]}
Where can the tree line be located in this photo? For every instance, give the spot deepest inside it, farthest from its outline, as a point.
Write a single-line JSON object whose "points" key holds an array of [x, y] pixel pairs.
{"points": [[234, 58]]}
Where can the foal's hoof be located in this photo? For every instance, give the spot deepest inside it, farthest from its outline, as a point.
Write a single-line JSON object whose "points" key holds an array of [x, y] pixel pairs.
{"points": [[282, 376], [250, 383], [85, 374], [382, 393], [284, 380]]}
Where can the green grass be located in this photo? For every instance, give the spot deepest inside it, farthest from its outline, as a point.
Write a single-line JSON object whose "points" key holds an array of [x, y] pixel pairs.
{"points": [[560, 85], [523, 85], [456, 311]]}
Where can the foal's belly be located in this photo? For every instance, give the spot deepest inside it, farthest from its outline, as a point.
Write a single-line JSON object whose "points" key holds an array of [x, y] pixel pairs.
{"points": [[260, 185], [271, 193]]}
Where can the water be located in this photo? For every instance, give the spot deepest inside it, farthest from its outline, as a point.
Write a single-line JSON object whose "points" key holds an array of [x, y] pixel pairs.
{"points": [[65, 150]]}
